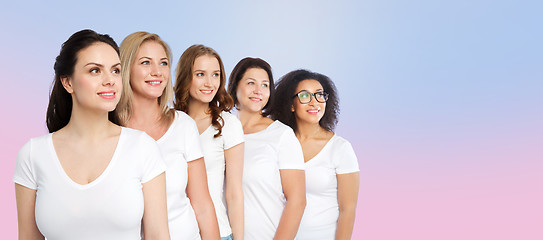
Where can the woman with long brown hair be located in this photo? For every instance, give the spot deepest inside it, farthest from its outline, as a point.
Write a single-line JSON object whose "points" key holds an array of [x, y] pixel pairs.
{"points": [[199, 92]]}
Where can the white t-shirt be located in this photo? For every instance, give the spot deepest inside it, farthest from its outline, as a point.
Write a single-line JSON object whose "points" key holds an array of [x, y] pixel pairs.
{"points": [[110, 207], [266, 152], [232, 135], [180, 145], [321, 212]]}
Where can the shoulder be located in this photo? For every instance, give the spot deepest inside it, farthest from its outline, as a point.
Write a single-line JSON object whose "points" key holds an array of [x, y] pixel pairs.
{"points": [[35, 143], [133, 136]]}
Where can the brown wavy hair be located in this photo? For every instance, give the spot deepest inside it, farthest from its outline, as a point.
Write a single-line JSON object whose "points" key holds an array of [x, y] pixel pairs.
{"points": [[183, 79]]}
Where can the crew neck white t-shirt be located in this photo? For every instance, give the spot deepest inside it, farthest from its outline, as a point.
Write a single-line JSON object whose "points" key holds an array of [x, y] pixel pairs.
{"points": [[110, 207], [267, 152], [180, 145], [213, 148], [319, 221]]}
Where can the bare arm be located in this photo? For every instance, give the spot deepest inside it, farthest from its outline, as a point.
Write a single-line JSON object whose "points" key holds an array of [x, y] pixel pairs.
{"points": [[293, 182], [347, 196], [201, 202], [155, 216], [26, 204], [234, 192]]}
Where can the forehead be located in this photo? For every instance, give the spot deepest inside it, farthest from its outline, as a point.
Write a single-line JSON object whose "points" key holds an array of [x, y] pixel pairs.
{"points": [[310, 85], [256, 74], [151, 48], [205, 62], [98, 52]]}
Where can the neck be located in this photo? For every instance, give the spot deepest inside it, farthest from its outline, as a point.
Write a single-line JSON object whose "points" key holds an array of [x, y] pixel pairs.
{"points": [[91, 125], [306, 131], [145, 111], [198, 110], [249, 118]]}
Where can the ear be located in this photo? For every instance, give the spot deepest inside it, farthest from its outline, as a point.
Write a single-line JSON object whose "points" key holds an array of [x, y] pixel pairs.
{"points": [[292, 108], [67, 84]]}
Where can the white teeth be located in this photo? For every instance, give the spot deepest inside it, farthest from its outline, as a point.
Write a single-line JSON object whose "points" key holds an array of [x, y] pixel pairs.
{"points": [[206, 91], [106, 94], [154, 82], [313, 111]]}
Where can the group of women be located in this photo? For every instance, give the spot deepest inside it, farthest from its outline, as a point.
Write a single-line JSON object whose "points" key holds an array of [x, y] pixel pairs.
{"points": [[120, 163]]}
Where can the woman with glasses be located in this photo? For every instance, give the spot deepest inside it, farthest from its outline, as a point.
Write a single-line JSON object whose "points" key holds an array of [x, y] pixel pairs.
{"points": [[308, 103], [273, 176]]}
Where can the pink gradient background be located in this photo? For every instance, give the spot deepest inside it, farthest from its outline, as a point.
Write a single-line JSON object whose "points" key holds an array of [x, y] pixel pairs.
{"points": [[442, 101]]}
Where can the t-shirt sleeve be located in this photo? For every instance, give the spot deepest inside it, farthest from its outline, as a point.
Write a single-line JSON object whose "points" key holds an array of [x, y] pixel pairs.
{"points": [[153, 163], [193, 149], [290, 152], [346, 161], [232, 131], [24, 172]]}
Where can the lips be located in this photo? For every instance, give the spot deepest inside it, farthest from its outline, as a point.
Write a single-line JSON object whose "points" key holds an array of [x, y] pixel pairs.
{"points": [[255, 99], [107, 94], [206, 92], [154, 82], [313, 111]]}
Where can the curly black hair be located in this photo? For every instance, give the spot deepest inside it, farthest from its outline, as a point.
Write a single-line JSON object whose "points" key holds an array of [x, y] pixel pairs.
{"points": [[286, 87]]}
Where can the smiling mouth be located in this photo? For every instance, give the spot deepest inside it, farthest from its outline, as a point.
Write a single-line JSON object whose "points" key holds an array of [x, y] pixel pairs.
{"points": [[206, 91], [154, 82], [313, 111], [255, 99], [107, 95]]}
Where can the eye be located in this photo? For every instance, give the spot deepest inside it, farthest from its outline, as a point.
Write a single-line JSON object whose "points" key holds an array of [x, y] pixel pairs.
{"points": [[250, 83], [304, 95], [145, 62], [264, 85], [216, 75], [95, 70], [116, 71], [199, 74], [164, 63]]}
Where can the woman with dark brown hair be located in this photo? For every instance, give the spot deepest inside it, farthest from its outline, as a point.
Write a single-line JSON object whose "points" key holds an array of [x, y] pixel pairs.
{"points": [[199, 92], [273, 173], [89, 178]]}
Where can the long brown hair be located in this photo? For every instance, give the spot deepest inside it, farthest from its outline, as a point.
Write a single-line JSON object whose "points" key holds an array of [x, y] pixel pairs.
{"points": [[184, 71]]}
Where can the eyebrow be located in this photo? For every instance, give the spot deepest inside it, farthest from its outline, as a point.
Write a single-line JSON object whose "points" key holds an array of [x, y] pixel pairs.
{"points": [[100, 65], [265, 80]]}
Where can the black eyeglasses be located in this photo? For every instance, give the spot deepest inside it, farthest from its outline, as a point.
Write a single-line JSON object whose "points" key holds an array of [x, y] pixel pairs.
{"points": [[305, 96]]}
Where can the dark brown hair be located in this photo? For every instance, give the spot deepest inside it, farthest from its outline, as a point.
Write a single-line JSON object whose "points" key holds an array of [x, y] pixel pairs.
{"points": [[184, 71], [238, 72], [285, 91], [60, 105]]}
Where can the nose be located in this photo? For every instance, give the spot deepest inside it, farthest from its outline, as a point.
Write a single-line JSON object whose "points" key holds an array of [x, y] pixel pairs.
{"points": [[312, 101], [207, 80], [108, 79], [155, 71], [258, 89]]}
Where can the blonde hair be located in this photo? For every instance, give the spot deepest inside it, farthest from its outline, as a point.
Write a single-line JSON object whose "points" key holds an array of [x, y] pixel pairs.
{"points": [[129, 48]]}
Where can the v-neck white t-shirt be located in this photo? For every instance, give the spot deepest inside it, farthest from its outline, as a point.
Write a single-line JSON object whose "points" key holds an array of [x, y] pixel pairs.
{"points": [[231, 135], [322, 210], [180, 145], [267, 152], [110, 207]]}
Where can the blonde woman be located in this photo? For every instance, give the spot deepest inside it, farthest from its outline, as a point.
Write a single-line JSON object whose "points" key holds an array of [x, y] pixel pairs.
{"points": [[145, 59], [199, 92]]}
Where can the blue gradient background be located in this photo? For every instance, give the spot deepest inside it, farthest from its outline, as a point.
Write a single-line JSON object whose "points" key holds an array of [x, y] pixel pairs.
{"points": [[442, 100]]}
